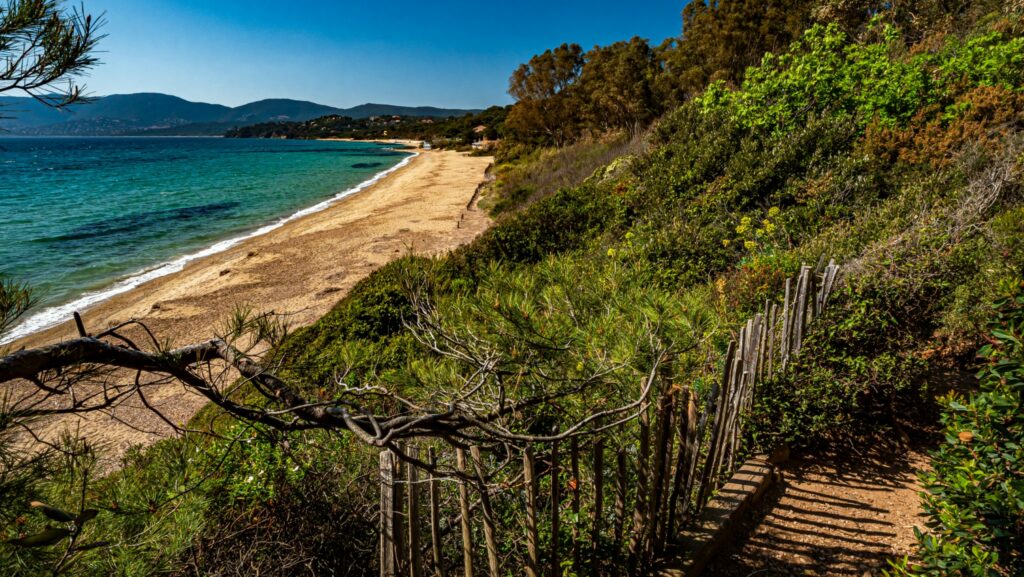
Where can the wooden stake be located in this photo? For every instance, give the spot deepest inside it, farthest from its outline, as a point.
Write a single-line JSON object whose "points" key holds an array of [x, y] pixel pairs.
{"points": [[732, 363], [467, 534], [485, 505], [692, 452], [556, 504], [435, 517], [662, 446], [532, 539], [787, 324], [598, 512], [620, 499], [574, 485], [643, 478], [388, 555], [413, 495]]}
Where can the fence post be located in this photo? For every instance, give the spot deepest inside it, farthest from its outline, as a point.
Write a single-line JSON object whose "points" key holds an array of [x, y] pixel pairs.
{"points": [[639, 528], [435, 516], [387, 514], [732, 364], [413, 495], [485, 505], [662, 447], [467, 534], [532, 540], [682, 464], [598, 512], [556, 503], [787, 324], [574, 486], [800, 314], [692, 451], [773, 334], [620, 499]]}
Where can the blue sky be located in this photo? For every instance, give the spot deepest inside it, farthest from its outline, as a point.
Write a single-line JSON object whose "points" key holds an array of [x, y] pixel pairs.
{"points": [[455, 53]]}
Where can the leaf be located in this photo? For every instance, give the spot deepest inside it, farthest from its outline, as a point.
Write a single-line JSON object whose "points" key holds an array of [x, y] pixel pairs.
{"points": [[48, 537], [86, 516], [53, 513]]}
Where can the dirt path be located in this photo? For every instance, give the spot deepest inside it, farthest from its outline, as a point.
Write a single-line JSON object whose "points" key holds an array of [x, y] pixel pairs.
{"points": [[831, 517]]}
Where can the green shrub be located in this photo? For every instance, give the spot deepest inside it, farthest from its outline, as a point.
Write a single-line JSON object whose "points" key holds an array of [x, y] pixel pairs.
{"points": [[975, 490]]}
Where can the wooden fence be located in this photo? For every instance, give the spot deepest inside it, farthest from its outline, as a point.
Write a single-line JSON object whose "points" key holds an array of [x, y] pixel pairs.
{"points": [[613, 503]]}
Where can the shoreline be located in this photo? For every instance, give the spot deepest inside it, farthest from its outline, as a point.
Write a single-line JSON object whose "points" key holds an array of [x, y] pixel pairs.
{"points": [[300, 269], [54, 315]]}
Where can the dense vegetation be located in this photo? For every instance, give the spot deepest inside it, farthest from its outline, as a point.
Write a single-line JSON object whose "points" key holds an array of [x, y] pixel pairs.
{"points": [[975, 498], [891, 143], [460, 130]]}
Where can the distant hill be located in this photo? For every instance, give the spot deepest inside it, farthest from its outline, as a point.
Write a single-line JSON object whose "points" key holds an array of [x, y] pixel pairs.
{"points": [[162, 114]]}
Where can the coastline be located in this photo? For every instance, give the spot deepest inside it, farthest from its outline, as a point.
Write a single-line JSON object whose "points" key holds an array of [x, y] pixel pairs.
{"points": [[301, 268], [54, 315]]}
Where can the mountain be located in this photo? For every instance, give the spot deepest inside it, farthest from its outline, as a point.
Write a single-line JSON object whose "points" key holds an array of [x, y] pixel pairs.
{"points": [[154, 113], [280, 109]]}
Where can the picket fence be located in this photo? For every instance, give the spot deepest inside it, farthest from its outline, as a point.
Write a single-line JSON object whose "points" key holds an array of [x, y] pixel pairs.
{"points": [[612, 508]]}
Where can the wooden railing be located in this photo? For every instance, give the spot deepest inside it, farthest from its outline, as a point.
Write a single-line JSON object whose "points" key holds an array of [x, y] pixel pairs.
{"points": [[614, 502]]}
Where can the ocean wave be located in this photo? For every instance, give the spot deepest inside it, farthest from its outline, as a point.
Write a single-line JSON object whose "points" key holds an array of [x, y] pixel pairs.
{"points": [[53, 316]]}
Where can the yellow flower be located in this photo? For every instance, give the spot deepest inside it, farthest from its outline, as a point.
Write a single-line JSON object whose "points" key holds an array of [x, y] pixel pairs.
{"points": [[769, 227], [750, 245], [773, 212], [725, 242], [611, 252]]}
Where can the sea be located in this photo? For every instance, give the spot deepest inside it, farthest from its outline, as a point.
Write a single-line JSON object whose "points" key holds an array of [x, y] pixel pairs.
{"points": [[83, 219]]}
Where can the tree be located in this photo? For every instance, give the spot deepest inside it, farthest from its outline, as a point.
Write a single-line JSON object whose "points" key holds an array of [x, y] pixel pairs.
{"points": [[545, 110], [43, 45], [617, 86], [721, 39]]}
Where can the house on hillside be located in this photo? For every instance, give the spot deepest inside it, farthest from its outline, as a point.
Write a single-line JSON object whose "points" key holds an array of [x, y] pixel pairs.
{"points": [[485, 144]]}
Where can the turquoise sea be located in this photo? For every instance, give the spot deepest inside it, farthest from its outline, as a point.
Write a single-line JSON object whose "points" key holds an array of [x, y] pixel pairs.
{"points": [[82, 219]]}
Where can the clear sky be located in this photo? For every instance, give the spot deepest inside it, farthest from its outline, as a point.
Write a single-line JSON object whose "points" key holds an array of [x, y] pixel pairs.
{"points": [[453, 53]]}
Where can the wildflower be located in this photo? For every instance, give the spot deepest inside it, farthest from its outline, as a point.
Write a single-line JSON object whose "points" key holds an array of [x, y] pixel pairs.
{"points": [[611, 252], [749, 245], [725, 242], [773, 212]]}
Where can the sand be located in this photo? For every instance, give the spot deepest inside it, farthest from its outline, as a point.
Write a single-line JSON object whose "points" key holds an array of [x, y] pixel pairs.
{"points": [[301, 269]]}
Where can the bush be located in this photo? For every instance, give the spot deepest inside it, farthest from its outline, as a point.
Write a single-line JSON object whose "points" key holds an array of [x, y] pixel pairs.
{"points": [[975, 491]]}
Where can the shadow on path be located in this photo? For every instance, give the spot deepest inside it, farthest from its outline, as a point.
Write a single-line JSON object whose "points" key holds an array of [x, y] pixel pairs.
{"points": [[831, 516]]}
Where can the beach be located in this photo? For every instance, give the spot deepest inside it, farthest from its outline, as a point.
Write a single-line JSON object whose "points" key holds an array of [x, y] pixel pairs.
{"points": [[300, 270]]}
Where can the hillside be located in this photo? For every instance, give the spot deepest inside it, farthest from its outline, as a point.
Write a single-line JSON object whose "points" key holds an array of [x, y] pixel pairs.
{"points": [[457, 130], [162, 114]]}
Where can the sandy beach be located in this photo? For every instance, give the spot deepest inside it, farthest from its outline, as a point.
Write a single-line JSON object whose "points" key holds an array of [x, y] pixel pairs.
{"points": [[301, 269]]}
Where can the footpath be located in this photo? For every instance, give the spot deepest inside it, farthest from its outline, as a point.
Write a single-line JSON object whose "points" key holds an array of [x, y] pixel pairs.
{"points": [[831, 516]]}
